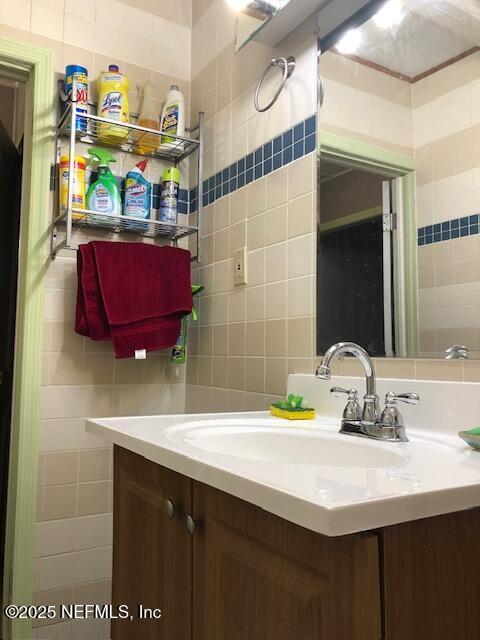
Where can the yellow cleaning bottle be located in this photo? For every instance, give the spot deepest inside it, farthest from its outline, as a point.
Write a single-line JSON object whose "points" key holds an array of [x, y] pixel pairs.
{"points": [[147, 142], [79, 185], [113, 89]]}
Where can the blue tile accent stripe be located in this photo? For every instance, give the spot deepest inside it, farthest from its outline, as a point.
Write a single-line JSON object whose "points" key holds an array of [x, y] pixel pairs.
{"points": [[448, 230], [292, 144]]}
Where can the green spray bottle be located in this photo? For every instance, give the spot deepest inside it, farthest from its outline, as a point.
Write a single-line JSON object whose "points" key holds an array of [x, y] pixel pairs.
{"points": [[103, 195], [180, 348]]}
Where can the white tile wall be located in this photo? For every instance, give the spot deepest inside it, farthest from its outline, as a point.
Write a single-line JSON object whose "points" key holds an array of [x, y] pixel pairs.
{"points": [[56, 537], [226, 86], [451, 197], [112, 28], [447, 114], [150, 40], [361, 112]]}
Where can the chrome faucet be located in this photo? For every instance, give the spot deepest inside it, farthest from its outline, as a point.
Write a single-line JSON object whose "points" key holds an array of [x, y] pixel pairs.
{"points": [[456, 352], [371, 408], [367, 422]]}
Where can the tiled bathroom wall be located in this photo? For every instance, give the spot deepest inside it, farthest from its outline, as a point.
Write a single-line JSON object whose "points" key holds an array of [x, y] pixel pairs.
{"points": [[447, 138], [366, 105], [153, 35], [149, 41], [249, 338]]}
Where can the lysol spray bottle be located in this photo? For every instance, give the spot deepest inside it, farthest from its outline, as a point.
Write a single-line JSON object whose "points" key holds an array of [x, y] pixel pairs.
{"points": [[169, 185]]}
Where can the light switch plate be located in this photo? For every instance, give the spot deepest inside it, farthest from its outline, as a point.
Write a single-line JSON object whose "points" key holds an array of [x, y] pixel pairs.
{"points": [[240, 266]]}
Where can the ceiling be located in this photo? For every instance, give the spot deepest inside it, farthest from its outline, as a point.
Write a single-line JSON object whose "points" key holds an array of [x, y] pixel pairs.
{"points": [[431, 33], [330, 170]]}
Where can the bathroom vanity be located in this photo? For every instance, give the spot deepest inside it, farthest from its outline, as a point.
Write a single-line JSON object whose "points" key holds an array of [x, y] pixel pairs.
{"points": [[242, 573], [242, 526], [236, 571]]}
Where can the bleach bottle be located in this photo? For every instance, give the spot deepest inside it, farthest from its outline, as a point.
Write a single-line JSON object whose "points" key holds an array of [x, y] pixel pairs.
{"points": [[104, 195], [138, 194], [173, 119]]}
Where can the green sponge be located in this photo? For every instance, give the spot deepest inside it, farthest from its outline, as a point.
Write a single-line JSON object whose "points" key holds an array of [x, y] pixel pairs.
{"points": [[474, 432]]}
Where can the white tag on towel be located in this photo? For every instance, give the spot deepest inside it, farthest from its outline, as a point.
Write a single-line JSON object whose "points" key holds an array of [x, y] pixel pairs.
{"points": [[140, 354]]}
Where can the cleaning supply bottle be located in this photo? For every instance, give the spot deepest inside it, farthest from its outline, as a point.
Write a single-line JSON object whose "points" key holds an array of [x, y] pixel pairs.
{"points": [[179, 349], [169, 185], [75, 74], [103, 195], [173, 118], [147, 143], [113, 89], [138, 194], [79, 187]]}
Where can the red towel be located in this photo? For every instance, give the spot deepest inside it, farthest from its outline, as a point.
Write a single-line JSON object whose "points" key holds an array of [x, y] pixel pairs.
{"points": [[132, 293]]}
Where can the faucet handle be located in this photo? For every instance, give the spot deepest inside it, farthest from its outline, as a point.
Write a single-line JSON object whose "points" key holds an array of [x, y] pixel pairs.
{"points": [[338, 392], [391, 417], [353, 410], [409, 398]]}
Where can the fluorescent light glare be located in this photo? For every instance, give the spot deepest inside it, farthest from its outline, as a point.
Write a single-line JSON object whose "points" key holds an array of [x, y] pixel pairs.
{"points": [[238, 5], [389, 15], [349, 42]]}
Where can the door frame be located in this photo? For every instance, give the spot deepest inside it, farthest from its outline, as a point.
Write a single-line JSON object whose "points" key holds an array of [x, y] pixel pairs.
{"points": [[332, 145], [35, 66]]}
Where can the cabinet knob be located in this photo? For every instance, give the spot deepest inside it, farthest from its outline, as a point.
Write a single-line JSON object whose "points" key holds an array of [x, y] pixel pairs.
{"points": [[191, 524], [171, 508]]}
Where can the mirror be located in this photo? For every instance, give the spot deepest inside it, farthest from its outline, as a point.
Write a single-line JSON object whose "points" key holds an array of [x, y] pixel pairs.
{"points": [[398, 251], [253, 16]]}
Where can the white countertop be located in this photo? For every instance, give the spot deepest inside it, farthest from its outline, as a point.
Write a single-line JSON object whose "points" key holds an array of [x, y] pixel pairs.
{"points": [[434, 473]]}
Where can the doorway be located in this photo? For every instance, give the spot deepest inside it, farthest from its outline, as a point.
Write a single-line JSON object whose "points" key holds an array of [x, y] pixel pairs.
{"points": [[366, 248], [32, 66], [350, 264], [12, 118]]}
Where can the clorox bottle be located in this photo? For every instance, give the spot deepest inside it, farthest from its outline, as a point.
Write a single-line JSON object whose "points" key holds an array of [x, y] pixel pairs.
{"points": [[138, 194], [113, 89]]}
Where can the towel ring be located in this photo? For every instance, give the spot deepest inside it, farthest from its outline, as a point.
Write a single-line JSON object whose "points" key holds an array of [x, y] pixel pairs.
{"points": [[320, 91], [288, 66]]}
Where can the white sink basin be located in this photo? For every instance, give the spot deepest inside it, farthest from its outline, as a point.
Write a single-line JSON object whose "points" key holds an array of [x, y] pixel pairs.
{"points": [[309, 473], [260, 440]]}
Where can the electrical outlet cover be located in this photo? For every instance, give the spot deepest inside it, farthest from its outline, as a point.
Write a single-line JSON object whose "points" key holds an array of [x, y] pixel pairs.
{"points": [[240, 266]]}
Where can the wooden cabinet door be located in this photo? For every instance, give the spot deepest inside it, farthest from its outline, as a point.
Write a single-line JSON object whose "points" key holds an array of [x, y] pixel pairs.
{"points": [[432, 578], [152, 554], [258, 577]]}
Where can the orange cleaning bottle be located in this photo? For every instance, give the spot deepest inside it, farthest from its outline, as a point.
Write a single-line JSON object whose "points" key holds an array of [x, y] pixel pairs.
{"points": [[148, 118]]}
